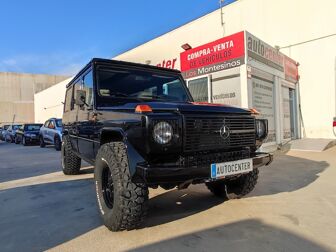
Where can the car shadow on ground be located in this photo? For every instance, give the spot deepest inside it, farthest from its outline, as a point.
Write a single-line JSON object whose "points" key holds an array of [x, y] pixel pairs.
{"points": [[247, 235], [19, 162], [174, 204], [287, 174], [39, 217], [280, 176]]}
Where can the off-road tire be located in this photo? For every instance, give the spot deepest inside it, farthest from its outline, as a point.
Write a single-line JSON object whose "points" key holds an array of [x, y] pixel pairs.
{"points": [[128, 207], [42, 143], [58, 143], [235, 188], [71, 163]]}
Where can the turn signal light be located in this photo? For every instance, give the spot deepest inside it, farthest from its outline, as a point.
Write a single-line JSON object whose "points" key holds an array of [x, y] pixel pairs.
{"points": [[143, 109], [254, 111]]}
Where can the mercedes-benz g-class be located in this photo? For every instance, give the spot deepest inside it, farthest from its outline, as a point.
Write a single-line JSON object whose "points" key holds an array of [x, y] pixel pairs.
{"points": [[139, 127]]}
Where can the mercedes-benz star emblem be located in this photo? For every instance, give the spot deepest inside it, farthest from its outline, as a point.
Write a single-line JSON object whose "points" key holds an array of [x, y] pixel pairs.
{"points": [[224, 132]]}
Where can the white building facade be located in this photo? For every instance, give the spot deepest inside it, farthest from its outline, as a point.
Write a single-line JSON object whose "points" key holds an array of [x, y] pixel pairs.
{"points": [[301, 29]]}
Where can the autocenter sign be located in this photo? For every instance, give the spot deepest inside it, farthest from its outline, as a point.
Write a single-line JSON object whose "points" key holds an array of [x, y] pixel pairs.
{"points": [[224, 53]]}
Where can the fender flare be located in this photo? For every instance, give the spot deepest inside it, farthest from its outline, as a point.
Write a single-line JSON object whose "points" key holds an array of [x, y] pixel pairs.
{"points": [[133, 156]]}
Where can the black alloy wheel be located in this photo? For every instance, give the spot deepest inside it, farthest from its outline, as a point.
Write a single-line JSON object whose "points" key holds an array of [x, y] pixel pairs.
{"points": [[58, 143], [107, 187]]}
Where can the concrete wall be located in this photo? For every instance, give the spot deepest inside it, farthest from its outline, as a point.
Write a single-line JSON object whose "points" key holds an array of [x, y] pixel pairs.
{"points": [[17, 94], [281, 23], [49, 103]]}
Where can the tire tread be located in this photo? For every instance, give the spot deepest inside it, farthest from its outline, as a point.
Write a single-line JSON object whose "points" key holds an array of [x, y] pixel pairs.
{"points": [[71, 162]]}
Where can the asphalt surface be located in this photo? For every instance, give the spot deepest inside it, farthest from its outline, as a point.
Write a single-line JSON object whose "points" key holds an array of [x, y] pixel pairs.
{"points": [[293, 208]]}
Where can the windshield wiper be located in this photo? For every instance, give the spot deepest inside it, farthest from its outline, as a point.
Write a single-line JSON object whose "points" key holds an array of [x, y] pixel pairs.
{"points": [[159, 97], [118, 94]]}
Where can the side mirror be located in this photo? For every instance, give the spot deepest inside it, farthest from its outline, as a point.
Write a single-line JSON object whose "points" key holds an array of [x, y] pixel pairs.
{"points": [[80, 97]]}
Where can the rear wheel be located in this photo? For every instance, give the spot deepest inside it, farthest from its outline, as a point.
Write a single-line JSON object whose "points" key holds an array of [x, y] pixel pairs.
{"points": [[42, 143], [58, 143], [235, 188], [122, 203], [71, 163]]}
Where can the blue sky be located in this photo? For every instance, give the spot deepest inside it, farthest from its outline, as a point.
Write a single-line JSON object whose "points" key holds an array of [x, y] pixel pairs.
{"points": [[59, 37]]}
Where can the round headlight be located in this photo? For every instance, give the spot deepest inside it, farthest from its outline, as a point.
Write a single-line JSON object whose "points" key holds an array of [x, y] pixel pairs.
{"points": [[162, 132], [260, 129]]}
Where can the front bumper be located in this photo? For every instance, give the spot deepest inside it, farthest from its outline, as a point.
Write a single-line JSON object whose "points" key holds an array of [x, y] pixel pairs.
{"points": [[32, 139], [159, 175]]}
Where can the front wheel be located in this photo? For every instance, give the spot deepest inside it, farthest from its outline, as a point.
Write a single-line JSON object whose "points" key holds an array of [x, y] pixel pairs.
{"points": [[71, 163], [24, 141], [42, 143], [234, 188], [58, 143], [122, 203]]}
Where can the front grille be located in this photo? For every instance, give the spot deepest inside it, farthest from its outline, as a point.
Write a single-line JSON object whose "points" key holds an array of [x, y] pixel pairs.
{"points": [[203, 132], [206, 159]]}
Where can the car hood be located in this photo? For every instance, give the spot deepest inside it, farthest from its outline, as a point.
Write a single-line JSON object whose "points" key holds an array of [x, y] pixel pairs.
{"points": [[186, 107]]}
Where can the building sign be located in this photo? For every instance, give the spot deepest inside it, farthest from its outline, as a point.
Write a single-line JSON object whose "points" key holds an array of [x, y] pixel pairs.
{"points": [[291, 70], [170, 63], [224, 53], [260, 51]]}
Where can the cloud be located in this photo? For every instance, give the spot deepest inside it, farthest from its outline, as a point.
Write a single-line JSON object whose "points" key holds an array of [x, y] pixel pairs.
{"points": [[60, 63]]}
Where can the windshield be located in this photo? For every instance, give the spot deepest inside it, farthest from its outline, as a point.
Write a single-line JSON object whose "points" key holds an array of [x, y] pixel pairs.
{"points": [[140, 85], [58, 122], [32, 127], [16, 126]]}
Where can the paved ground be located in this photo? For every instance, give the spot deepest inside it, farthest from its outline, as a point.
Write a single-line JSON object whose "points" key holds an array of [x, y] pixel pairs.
{"points": [[293, 208]]}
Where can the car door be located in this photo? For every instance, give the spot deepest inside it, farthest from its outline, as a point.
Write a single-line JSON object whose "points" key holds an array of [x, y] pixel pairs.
{"points": [[86, 123], [44, 131], [69, 120], [19, 133], [9, 132], [51, 130]]}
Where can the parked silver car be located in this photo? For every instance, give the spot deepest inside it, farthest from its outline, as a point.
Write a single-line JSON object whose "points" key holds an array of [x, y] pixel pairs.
{"points": [[11, 133], [4, 132], [51, 133]]}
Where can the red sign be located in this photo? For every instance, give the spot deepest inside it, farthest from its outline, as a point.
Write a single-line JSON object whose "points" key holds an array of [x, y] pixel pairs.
{"points": [[291, 69], [218, 55]]}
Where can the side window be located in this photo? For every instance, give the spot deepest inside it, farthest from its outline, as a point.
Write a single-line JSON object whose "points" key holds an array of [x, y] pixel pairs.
{"points": [[46, 124], [52, 125], [68, 100], [88, 87], [76, 86]]}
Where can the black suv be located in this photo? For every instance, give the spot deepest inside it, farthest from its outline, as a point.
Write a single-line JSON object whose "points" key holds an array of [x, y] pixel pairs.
{"points": [[139, 127]]}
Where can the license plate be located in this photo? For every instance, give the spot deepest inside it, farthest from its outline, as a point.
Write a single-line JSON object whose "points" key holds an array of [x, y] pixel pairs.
{"points": [[231, 168]]}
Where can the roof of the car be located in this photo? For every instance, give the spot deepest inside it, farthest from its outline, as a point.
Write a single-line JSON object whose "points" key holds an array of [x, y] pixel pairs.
{"points": [[106, 62]]}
